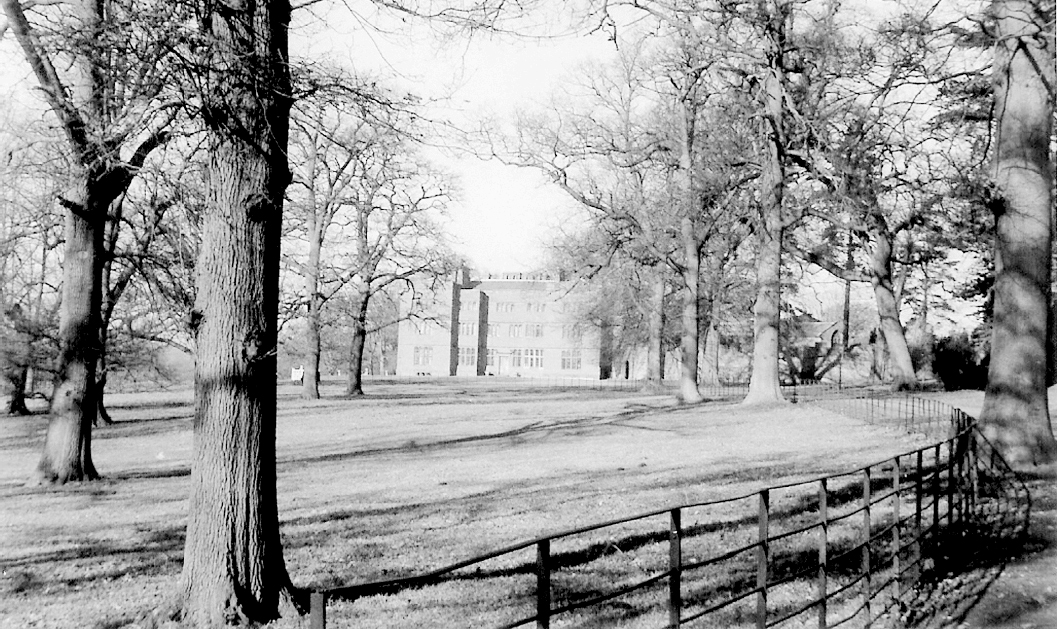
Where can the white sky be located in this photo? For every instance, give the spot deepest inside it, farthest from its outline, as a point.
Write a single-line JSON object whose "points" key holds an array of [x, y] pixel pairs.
{"points": [[505, 215]]}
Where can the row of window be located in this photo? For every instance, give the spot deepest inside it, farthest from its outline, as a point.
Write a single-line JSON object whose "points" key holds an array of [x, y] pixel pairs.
{"points": [[516, 330], [506, 306], [571, 358]]}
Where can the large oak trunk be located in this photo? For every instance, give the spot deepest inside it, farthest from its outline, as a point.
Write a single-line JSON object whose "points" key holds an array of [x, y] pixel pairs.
{"points": [[67, 452], [1015, 413], [764, 383], [688, 390], [234, 572], [903, 376], [354, 386]]}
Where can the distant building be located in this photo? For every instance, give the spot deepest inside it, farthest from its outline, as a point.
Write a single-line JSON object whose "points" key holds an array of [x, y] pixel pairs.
{"points": [[514, 324]]}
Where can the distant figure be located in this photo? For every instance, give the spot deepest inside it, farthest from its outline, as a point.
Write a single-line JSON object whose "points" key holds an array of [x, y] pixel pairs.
{"points": [[297, 374]]}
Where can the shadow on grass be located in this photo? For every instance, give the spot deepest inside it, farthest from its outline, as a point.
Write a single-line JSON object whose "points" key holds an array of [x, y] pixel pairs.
{"points": [[543, 429], [156, 553]]}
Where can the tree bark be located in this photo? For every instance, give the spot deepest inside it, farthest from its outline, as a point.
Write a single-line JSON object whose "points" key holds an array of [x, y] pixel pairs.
{"points": [[655, 343], [764, 382], [1015, 414], [18, 376], [16, 358], [310, 386], [688, 390], [903, 377], [67, 452], [234, 572], [359, 341]]}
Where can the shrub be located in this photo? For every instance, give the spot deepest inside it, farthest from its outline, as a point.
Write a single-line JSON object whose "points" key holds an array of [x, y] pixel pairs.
{"points": [[957, 365]]}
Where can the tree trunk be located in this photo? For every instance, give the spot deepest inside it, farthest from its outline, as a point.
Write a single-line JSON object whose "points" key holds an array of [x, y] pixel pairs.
{"points": [[655, 343], [903, 377], [688, 391], [67, 452], [101, 371], [16, 358], [1015, 413], [359, 341], [764, 382], [710, 359], [310, 384], [691, 267], [18, 376], [234, 572]]}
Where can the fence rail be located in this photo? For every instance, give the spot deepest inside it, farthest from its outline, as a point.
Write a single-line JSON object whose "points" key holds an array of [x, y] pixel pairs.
{"points": [[855, 548]]}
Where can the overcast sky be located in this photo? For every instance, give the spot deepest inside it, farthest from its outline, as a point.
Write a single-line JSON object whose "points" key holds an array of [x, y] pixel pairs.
{"points": [[505, 215]]}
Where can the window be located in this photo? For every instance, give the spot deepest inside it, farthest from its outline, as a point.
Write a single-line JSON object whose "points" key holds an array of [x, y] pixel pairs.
{"points": [[423, 356], [536, 306], [493, 329], [534, 330], [534, 358], [467, 329], [468, 306], [570, 359], [491, 358], [468, 356], [515, 358], [504, 306], [571, 332], [515, 329]]}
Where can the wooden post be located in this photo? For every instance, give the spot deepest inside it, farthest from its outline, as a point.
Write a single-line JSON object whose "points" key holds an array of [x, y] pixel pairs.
{"points": [[543, 584], [762, 558], [896, 542], [974, 470], [918, 489], [675, 567], [866, 524], [317, 605], [935, 525], [823, 551], [950, 483]]}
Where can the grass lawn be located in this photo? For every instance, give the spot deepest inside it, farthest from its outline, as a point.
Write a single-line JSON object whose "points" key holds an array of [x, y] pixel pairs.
{"points": [[409, 478]]}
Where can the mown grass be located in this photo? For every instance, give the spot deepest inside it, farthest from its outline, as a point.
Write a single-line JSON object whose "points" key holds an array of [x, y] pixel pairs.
{"points": [[410, 478]]}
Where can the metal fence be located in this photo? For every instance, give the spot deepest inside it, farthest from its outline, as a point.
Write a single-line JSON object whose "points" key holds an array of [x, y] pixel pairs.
{"points": [[860, 548]]}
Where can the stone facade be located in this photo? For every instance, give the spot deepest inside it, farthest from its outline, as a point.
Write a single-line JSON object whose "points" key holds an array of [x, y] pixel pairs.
{"points": [[515, 324]]}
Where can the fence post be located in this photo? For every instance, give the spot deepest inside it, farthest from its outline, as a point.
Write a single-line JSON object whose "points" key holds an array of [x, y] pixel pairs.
{"points": [[866, 545], [762, 558], [934, 526], [962, 449], [896, 542], [950, 483], [974, 470], [823, 550], [675, 568], [543, 584], [918, 487], [317, 605]]}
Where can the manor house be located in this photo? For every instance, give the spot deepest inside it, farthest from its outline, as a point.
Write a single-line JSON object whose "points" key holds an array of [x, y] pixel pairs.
{"points": [[513, 324]]}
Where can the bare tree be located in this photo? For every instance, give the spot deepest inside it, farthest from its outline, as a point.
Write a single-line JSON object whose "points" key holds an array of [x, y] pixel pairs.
{"points": [[107, 105], [234, 571], [1016, 414], [369, 212], [30, 240]]}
